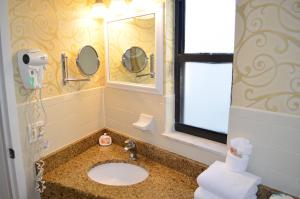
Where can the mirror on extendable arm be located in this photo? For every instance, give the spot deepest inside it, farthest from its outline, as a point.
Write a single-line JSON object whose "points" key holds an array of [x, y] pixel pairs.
{"points": [[87, 60], [135, 59]]}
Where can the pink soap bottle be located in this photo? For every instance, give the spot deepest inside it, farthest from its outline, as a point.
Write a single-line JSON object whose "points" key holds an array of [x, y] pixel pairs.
{"points": [[105, 140]]}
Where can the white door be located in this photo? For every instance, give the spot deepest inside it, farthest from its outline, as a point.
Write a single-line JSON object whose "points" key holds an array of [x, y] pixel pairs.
{"points": [[12, 172], [5, 185]]}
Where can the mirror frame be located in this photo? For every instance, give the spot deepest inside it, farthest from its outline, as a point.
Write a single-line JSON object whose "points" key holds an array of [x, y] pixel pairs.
{"points": [[156, 88]]}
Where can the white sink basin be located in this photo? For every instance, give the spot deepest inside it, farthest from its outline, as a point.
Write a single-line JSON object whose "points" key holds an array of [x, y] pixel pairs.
{"points": [[118, 174]]}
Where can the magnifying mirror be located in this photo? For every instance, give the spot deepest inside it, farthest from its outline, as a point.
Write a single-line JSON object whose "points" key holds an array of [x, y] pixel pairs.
{"points": [[87, 60], [134, 59]]}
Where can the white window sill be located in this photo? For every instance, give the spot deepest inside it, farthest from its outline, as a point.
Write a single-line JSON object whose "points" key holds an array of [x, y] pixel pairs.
{"points": [[202, 143]]}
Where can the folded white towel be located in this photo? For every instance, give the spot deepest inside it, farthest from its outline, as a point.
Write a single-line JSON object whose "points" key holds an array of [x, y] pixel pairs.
{"points": [[242, 145], [228, 184], [202, 193], [280, 196], [237, 164], [251, 197], [252, 192]]}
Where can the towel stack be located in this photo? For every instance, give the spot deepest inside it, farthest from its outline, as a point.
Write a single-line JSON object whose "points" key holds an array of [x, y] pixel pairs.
{"points": [[229, 180]]}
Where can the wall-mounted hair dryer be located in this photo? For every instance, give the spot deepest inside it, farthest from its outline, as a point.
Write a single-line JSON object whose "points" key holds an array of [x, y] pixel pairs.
{"points": [[32, 64]]}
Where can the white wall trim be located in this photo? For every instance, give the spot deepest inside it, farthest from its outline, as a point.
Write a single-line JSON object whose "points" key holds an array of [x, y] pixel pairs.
{"points": [[277, 117], [67, 96], [9, 109], [201, 143]]}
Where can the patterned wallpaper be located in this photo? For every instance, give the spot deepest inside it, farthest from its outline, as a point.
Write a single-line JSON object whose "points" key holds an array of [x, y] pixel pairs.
{"points": [[267, 55], [124, 34], [56, 26], [169, 48], [267, 48]]}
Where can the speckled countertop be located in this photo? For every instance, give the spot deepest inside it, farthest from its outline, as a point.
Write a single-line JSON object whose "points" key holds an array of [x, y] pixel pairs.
{"points": [[170, 175], [70, 180]]}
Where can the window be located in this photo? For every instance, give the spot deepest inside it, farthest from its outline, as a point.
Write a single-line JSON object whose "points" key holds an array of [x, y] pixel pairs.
{"points": [[204, 45]]}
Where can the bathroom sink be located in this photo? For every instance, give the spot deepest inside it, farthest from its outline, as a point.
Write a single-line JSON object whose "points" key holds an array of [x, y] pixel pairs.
{"points": [[118, 174]]}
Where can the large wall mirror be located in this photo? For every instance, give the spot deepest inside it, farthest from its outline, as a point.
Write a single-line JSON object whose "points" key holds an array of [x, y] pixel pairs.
{"points": [[134, 51]]}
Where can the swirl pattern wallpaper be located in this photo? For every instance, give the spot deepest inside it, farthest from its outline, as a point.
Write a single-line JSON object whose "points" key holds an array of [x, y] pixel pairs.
{"points": [[54, 27], [169, 40], [267, 56], [266, 59]]}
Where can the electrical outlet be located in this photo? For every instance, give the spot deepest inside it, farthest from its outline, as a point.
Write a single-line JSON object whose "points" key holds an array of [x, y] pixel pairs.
{"points": [[31, 133], [45, 145], [35, 131]]}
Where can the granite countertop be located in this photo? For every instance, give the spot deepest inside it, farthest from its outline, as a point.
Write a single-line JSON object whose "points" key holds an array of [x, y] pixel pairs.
{"points": [[70, 180], [170, 175]]}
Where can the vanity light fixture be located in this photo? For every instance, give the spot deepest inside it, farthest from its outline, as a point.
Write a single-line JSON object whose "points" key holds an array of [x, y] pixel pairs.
{"points": [[99, 10], [119, 7], [143, 4]]}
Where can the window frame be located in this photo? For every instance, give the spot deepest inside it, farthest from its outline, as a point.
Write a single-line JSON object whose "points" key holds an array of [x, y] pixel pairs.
{"points": [[180, 59]]}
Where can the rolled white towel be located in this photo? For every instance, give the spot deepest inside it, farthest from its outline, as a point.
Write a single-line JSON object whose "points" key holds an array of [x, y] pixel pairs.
{"points": [[235, 163], [242, 145], [202, 193], [228, 184]]}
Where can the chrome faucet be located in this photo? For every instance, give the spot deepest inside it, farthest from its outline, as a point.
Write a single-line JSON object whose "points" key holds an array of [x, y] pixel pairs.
{"points": [[131, 147]]}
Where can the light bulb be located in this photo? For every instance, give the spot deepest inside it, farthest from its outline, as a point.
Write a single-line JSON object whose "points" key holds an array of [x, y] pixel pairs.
{"points": [[99, 10], [143, 4], [119, 7]]}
